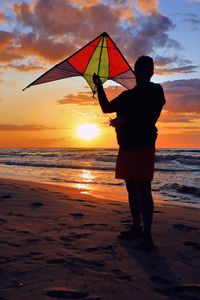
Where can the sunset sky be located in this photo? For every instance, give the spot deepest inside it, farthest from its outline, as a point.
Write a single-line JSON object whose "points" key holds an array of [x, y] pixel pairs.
{"points": [[37, 34]]}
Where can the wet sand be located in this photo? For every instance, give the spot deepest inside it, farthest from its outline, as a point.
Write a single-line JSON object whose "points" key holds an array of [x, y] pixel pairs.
{"points": [[57, 243]]}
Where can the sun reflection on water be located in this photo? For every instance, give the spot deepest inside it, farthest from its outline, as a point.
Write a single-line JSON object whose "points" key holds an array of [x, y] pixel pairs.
{"points": [[86, 176]]}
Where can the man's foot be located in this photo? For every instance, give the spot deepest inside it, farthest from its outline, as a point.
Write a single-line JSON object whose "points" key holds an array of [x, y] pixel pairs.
{"points": [[147, 245], [131, 234]]}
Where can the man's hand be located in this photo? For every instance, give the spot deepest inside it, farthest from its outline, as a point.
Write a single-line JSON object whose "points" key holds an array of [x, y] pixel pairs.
{"points": [[117, 122], [96, 79]]}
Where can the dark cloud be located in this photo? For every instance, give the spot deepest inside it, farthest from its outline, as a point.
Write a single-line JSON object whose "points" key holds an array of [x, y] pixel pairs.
{"points": [[43, 46], [150, 33], [178, 70], [161, 61], [182, 95], [193, 19]]}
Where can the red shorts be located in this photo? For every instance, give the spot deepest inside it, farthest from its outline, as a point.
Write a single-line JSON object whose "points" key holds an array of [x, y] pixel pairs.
{"points": [[135, 164]]}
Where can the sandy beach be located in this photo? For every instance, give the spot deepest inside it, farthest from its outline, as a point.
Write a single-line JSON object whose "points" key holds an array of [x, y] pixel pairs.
{"points": [[59, 243]]}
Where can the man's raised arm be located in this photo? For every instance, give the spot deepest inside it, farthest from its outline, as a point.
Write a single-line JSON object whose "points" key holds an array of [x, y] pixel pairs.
{"points": [[103, 101]]}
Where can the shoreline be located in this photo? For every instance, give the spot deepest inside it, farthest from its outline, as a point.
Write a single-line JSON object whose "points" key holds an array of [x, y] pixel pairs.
{"points": [[106, 195], [57, 242]]}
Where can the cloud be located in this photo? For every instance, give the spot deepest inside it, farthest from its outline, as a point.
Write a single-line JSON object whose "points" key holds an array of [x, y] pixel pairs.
{"points": [[198, 1], [147, 6], [166, 65], [182, 106], [82, 98], [3, 18], [52, 140], [6, 39], [178, 70], [182, 95], [43, 46], [51, 37], [86, 98], [8, 49], [173, 117], [150, 35], [24, 67], [70, 20], [193, 19], [13, 127]]}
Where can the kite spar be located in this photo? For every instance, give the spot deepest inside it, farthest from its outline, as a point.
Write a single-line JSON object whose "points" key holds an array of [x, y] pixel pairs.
{"points": [[100, 56]]}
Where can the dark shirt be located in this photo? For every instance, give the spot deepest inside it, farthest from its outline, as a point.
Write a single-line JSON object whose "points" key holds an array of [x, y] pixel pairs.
{"points": [[141, 108]]}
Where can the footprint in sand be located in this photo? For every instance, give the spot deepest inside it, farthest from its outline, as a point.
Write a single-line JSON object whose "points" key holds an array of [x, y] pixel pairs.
{"points": [[36, 204], [33, 240], [117, 212], [187, 291], [64, 293], [2, 221], [126, 221], [79, 200], [93, 225], [56, 261], [7, 196], [73, 237], [184, 228], [10, 244], [193, 244], [89, 205], [105, 249], [77, 215]]}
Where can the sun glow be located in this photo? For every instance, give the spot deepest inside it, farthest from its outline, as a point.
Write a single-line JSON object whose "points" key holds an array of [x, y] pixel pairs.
{"points": [[88, 131]]}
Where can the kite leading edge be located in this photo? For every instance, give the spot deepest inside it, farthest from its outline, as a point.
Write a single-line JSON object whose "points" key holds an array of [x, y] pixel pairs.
{"points": [[100, 56]]}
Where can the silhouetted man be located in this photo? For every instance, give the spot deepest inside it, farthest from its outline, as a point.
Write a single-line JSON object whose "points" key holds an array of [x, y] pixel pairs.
{"points": [[137, 111]]}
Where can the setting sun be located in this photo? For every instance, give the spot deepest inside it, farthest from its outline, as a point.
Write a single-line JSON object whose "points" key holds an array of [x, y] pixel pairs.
{"points": [[88, 131]]}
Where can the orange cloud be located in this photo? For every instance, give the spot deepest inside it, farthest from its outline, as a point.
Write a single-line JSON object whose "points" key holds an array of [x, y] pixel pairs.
{"points": [[6, 39], [147, 6], [3, 17], [174, 117], [82, 98], [11, 127], [86, 98]]}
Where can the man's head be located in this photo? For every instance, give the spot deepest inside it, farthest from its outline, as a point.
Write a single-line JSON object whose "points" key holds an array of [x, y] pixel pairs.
{"points": [[143, 69]]}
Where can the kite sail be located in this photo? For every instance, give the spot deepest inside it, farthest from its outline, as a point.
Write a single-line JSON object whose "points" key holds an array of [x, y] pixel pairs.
{"points": [[100, 56]]}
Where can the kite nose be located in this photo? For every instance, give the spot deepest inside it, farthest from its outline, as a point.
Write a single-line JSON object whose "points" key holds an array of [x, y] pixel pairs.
{"points": [[104, 34]]}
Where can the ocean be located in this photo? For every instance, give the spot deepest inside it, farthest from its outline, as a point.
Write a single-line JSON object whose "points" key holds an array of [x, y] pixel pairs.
{"points": [[176, 179]]}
